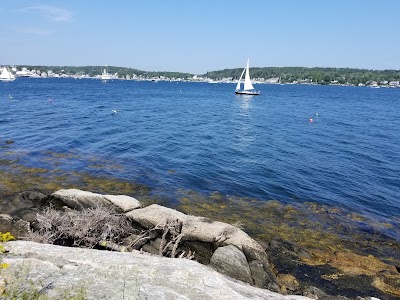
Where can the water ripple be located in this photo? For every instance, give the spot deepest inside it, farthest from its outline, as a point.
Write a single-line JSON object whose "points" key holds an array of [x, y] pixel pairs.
{"points": [[262, 147]]}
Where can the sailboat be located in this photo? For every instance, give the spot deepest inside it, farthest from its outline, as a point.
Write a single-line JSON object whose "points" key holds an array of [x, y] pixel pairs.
{"points": [[248, 88], [6, 75]]}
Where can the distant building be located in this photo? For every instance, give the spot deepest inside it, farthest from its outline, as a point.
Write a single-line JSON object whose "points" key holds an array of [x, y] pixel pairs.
{"points": [[272, 80]]}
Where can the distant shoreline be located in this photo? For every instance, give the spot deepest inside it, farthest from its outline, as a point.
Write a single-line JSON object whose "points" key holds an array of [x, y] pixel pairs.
{"points": [[267, 75], [211, 81]]}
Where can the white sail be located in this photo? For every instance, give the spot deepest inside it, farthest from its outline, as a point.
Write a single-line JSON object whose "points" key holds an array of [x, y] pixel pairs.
{"points": [[6, 75], [247, 82], [240, 79], [248, 88]]}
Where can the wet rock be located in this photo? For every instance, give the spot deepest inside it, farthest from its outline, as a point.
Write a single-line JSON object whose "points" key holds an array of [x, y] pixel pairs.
{"points": [[388, 284], [17, 228], [288, 282], [230, 261], [314, 292], [24, 205], [258, 274]]}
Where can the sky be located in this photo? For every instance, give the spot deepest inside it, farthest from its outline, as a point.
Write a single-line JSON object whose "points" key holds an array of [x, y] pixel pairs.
{"points": [[200, 36]]}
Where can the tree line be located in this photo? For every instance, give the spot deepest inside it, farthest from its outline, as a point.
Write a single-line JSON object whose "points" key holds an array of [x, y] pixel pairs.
{"points": [[316, 75], [96, 70], [285, 74]]}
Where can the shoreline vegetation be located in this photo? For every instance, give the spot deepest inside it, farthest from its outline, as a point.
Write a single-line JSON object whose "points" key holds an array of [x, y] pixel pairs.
{"points": [[340, 251], [267, 75]]}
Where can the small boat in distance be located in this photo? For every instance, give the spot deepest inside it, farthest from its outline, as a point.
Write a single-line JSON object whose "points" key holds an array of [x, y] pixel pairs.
{"points": [[248, 88], [6, 75], [105, 76]]}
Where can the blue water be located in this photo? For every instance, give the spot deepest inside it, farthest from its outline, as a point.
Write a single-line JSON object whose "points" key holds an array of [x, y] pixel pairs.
{"points": [[202, 137]]}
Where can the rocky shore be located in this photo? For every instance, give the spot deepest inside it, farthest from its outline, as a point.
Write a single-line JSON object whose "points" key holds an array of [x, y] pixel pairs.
{"points": [[172, 255]]}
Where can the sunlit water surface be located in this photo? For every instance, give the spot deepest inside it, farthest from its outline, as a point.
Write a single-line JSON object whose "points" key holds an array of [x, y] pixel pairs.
{"points": [[328, 144]]}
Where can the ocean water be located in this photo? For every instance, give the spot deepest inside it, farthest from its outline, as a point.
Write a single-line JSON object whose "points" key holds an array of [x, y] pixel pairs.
{"points": [[203, 137]]}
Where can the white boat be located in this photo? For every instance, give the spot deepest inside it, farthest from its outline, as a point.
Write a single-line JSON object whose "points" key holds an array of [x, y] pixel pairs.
{"points": [[248, 88], [105, 76], [6, 75]]}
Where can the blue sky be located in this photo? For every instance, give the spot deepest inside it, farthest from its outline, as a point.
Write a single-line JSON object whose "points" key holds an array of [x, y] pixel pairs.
{"points": [[200, 36]]}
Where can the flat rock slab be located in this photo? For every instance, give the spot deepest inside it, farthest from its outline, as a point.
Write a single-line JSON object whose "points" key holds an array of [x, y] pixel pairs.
{"points": [[115, 275]]}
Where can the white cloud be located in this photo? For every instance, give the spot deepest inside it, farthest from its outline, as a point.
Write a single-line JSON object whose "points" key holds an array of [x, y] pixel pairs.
{"points": [[53, 13]]}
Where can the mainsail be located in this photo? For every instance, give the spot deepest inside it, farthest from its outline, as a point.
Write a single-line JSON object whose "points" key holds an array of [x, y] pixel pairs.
{"points": [[247, 82]]}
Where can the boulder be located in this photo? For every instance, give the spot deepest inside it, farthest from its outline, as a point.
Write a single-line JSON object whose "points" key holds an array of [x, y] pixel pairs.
{"points": [[204, 230], [230, 261], [259, 276], [78, 199], [59, 271], [24, 205]]}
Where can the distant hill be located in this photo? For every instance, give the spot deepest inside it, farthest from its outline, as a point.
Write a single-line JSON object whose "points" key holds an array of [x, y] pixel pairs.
{"points": [[285, 74], [316, 75], [96, 70]]}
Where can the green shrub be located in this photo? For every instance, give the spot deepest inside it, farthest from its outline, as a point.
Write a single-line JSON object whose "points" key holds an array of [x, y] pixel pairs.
{"points": [[4, 237]]}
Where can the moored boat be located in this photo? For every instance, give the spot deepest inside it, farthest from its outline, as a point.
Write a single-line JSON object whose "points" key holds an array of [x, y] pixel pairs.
{"points": [[6, 75]]}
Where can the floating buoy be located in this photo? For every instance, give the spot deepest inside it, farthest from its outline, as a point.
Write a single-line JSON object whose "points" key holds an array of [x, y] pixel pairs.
{"points": [[311, 120]]}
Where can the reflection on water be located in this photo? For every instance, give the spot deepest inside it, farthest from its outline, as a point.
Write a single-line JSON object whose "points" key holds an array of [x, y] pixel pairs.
{"points": [[244, 132]]}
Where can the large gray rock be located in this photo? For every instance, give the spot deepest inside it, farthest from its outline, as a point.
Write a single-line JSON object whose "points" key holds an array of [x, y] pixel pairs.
{"points": [[204, 230], [78, 199], [259, 276], [114, 275], [155, 215], [230, 261]]}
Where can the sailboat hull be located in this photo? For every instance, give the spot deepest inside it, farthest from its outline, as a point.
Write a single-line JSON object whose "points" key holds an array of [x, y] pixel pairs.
{"points": [[247, 93]]}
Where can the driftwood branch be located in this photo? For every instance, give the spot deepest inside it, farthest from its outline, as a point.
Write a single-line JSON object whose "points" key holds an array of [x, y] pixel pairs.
{"points": [[177, 241], [163, 241], [113, 246]]}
